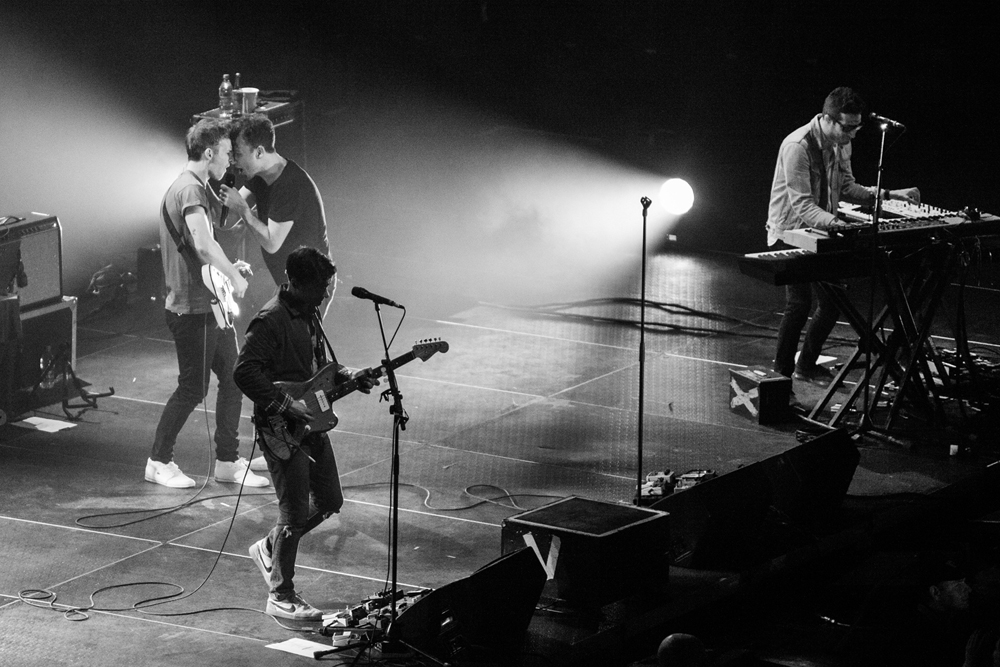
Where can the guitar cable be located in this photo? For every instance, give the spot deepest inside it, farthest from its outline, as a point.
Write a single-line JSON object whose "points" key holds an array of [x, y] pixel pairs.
{"points": [[47, 599]]}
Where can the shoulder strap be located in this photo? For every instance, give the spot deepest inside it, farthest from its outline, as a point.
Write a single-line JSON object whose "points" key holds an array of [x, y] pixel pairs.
{"points": [[321, 334], [183, 247], [185, 250]]}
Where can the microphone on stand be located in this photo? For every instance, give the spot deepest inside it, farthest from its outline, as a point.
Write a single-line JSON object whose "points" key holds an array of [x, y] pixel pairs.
{"points": [[230, 180], [362, 293], [886, 121]]}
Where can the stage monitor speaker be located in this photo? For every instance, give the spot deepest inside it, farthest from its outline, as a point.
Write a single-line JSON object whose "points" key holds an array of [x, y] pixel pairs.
{"points": [[482, 615], [606, 551], [31, 259], [810, 481], [721, 523], [717, 524]]}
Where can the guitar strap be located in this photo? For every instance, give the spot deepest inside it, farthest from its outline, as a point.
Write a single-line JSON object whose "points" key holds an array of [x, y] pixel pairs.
{"points": [[184, 248], [321, 341]]}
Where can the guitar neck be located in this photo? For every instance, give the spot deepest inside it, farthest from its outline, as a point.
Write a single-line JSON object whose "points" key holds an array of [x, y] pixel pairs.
{"points": [[345, 388]]}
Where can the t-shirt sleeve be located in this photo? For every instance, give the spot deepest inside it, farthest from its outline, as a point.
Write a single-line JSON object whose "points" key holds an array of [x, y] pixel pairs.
{"points": [[191, 196], [284, 203]]}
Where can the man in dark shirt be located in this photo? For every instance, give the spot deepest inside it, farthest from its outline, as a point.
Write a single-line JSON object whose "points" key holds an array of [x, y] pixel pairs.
{"points": [[289, 207], [285, 342]]}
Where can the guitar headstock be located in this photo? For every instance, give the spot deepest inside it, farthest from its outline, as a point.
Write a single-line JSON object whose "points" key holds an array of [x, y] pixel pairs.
{"points": [[427, 348]]}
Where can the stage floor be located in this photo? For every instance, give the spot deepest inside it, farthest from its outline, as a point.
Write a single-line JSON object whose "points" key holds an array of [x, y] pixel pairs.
{"points": [[529, 404]]}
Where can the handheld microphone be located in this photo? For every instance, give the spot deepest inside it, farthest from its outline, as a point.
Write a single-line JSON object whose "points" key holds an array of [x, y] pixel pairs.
{"points": [[362, 293], [886, 121], [230, 180]]}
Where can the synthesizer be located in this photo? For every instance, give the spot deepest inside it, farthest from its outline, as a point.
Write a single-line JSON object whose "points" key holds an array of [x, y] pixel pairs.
{"points": [[797, 265], [898, 210], [899, 223]]}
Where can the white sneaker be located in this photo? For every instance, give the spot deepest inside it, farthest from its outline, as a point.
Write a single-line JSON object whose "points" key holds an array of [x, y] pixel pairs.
{"points": [[293, 607], [238, 472], [167, 474], [261, 556], [258, 464]]}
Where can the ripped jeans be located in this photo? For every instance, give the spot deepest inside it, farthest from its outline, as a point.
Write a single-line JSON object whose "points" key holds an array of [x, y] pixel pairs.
{"points": [[308, 493]]}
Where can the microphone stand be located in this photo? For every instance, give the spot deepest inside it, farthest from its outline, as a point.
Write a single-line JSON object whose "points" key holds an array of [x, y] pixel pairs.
{"points": [[398, 424], [866, 418], [645, 201]]}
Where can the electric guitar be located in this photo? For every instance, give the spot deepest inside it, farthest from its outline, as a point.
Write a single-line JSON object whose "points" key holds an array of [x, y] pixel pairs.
{"points": [[320, 391], [223, 304]]}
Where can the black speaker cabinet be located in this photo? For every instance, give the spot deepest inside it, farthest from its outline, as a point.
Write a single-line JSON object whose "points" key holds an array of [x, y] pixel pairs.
{"points": [[47, 333], [717, 524], [486, 613], [605, 551], [31, 258], [725, 523], [810, 481], [149, 272]]}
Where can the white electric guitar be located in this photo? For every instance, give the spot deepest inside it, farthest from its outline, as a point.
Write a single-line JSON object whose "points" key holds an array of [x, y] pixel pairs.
{"points": [[223, 303]]}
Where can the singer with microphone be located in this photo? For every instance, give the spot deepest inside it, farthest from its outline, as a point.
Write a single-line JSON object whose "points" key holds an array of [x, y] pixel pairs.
{"points": [[280, 203], [813, 174]]}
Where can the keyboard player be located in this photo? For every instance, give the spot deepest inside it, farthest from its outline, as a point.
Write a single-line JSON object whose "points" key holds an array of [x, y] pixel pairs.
{"points": [[812, 175]]}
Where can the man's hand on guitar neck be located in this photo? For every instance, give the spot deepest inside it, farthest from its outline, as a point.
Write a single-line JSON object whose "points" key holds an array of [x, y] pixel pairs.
{"points": [[365, 380]]}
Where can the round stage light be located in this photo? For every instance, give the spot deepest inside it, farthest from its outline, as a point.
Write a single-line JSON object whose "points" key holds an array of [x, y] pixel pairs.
{"points": [[677, 196]]}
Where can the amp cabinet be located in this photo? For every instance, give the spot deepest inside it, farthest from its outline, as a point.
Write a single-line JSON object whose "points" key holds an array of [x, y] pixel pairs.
{"points": [[38, 336], [31, 258]]}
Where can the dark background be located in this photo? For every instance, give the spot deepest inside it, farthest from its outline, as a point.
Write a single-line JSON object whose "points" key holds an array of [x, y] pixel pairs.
{"points": [[704, 90]]}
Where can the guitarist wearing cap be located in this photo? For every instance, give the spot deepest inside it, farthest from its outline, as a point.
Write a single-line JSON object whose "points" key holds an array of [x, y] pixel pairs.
{"points": [[188, 245], [285, 344]]}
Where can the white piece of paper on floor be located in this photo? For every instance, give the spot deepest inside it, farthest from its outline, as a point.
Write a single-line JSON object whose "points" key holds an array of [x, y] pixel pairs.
{"points": [[302, 647], [42, 424]]}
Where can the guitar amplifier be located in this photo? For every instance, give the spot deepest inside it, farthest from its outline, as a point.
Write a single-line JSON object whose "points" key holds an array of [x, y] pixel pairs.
{"points": [[35, 340], [31, 258]]}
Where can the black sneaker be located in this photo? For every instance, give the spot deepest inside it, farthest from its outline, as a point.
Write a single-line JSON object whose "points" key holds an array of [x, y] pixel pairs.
{"points": [[820, 375]]}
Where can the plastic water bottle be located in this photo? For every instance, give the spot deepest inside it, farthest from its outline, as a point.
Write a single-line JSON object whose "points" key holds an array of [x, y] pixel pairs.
{"points": [[225, 97], [237, 96], [47, 369]]}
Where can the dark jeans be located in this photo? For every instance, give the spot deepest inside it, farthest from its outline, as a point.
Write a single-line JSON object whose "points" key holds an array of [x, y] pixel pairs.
{"points": [[202, 348], [308, 493], [799, 299]]}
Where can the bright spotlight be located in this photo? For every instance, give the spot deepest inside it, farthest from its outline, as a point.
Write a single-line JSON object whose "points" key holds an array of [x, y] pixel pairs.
{"points": [[676, 196]]}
